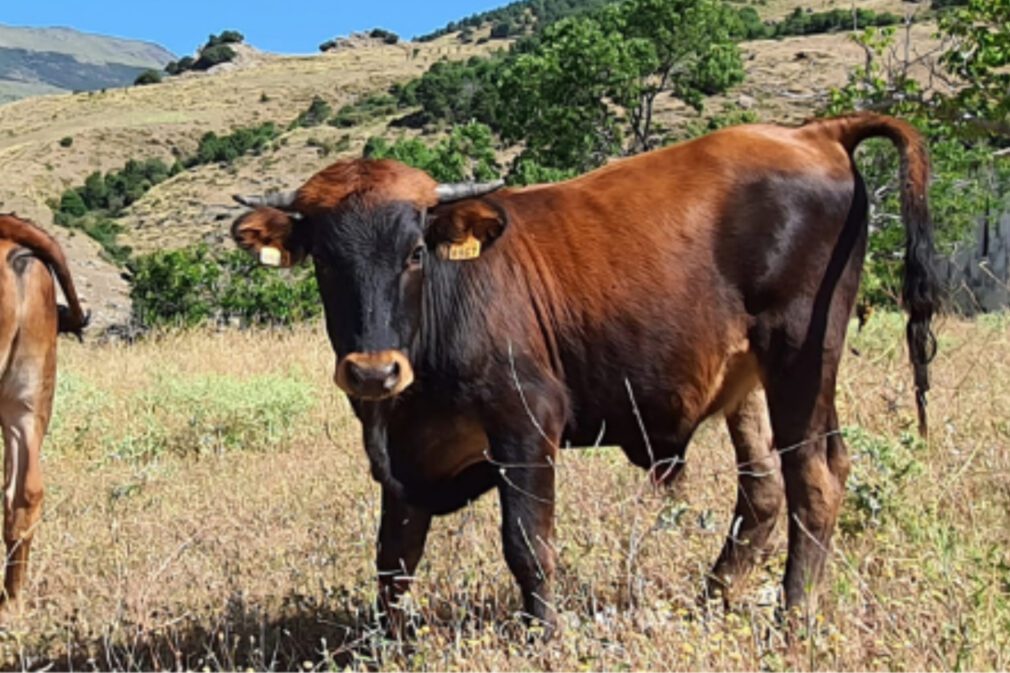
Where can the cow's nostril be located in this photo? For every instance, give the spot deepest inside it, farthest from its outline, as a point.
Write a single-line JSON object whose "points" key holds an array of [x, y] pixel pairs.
{"points": [[392, 371], [355, 374]]}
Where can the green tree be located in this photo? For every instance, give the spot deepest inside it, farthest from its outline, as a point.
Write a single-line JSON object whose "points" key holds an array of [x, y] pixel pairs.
{"points": [[980, 59], [457, 92], [685, 47], [555, 98], [971, 178]]}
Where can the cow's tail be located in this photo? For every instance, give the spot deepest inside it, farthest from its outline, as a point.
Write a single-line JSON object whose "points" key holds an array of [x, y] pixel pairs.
{"points": [[72, 318], [920, 293]]}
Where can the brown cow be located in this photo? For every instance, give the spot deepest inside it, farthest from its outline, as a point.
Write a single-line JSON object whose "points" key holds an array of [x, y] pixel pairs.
{"points": [[29, 322], [476, 335]]}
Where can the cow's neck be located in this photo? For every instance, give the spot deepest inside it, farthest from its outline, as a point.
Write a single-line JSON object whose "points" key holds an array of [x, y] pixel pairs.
{"points": [[479, 309]]}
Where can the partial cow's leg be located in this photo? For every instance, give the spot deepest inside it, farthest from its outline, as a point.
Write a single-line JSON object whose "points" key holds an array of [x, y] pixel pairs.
{"points": [[23, 433], [524, 448], [760, 493], [815, 464], [402, 534]]}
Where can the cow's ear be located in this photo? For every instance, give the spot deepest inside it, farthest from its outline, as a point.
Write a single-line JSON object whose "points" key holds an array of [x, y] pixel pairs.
{"points": [[276, 238], [462, 231]]}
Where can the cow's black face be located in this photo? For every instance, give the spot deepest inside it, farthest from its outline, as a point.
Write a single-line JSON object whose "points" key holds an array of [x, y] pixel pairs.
{"points": [[369, 263]]}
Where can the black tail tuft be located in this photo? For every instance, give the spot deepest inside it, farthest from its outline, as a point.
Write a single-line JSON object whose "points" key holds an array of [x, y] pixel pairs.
{"points": [[69, 323]]}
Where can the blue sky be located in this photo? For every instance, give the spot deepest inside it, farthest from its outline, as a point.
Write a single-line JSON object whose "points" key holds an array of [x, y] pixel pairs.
{"points": [[292, 26]]}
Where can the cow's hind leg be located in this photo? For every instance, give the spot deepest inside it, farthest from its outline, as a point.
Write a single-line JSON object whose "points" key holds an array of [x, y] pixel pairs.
{"points": [[760, 493], [26, 398], [23, 431], [815, 465]]}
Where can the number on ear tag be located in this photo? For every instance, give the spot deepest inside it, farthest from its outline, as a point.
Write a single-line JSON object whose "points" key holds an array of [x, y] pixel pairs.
{"points": [[270, 256], [468, 249]]}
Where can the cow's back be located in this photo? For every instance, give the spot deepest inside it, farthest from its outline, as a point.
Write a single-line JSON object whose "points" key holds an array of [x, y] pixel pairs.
{"points": [[655, 266]]}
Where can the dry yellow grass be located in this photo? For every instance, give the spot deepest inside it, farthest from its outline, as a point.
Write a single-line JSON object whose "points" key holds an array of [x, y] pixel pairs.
{"points": [[209, 506]]}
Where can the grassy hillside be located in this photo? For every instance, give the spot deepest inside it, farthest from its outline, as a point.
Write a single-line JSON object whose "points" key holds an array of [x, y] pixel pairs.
{"points": [[209, 507], [108, 128]]}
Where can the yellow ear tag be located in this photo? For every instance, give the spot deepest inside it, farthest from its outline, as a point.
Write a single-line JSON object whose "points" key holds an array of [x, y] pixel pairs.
{"points": [[468, 249], [270, 256]]}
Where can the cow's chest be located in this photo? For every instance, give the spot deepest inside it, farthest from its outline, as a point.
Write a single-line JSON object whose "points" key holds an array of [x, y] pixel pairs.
{"points": [[435, 447]]}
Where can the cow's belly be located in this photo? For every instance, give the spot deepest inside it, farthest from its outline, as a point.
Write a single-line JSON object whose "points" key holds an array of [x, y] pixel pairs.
{"points": [[662, 393]]}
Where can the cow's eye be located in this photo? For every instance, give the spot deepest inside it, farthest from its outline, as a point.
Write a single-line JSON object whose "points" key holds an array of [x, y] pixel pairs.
{"points": [[416, 259]]}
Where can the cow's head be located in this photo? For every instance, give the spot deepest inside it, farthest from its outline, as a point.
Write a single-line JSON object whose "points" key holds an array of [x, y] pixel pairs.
{"points": [[370, 229]]}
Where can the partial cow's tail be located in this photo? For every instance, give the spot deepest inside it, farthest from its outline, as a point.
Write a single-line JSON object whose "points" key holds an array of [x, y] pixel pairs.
{"points": [[920, 294], [72, 319]]}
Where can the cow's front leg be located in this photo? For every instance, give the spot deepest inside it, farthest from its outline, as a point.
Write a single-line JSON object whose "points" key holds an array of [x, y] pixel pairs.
{"points": [[402, 533], [525, 456]]}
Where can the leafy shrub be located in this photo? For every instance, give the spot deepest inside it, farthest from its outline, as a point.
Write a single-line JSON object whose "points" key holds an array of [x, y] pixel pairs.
{"points": [[212, 56], [328, 147], [455, 92], [529, 172], [880, 470], [502, 30], [92, 206], [105, 231], [226, 37], [112, 192], [195, 285], [368, 109], [182, 65], [467, 154], [225, 149], [148, 77], [66, 141], [72, 205], [214, 52], [386, 36], [805, 22], [317, 113]]}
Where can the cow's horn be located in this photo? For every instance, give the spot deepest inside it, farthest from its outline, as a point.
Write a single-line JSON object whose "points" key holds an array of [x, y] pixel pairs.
{"points": [[466, 190], [279, 200]]}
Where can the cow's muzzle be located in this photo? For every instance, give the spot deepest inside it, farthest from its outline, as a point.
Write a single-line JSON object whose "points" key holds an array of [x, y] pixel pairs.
{"points": [[374, 376]]}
